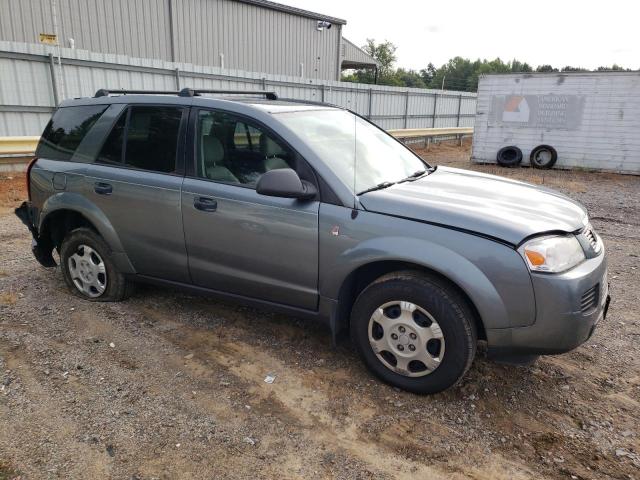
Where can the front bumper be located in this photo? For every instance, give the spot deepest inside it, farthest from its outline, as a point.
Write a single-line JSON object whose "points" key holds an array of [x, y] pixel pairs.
{"points": [[41, 249], [562, 321]]}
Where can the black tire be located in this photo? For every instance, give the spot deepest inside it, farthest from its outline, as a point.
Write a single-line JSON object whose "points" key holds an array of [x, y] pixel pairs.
{"points": [[447, 307], [117, 287], [543, 156], [510, 156]]}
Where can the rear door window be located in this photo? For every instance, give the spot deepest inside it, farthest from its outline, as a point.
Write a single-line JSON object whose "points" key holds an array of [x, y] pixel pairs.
{"points": [[144, 137], [66, 129]]}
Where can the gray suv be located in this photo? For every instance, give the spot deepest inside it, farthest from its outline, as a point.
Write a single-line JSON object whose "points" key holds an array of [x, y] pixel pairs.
{"points": [[312, 210]]}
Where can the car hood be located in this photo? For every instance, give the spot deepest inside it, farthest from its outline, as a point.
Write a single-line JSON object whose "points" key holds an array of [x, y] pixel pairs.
{"points": [[486, 204]]}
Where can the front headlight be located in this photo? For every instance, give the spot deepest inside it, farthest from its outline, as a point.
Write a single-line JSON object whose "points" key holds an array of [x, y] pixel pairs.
{"points": [[552, 253]]}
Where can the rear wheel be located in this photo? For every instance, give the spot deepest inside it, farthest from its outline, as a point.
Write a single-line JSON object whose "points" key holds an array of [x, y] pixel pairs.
{"points": [[414, 331], [88, 270]]}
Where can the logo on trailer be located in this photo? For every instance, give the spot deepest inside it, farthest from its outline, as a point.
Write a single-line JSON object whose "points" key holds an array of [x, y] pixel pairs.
{"points": [[516, 109]]}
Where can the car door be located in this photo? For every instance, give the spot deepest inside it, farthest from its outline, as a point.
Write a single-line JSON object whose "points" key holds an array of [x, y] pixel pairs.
{"points": [[136, 181], [238, 241]]}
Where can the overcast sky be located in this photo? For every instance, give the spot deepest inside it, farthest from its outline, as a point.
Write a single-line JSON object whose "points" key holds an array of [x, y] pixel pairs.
{"points": [[560, 32]]}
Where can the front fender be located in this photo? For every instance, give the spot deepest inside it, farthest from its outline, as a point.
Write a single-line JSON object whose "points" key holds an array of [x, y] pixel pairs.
{"points": [[493, 275], [80, 204]]}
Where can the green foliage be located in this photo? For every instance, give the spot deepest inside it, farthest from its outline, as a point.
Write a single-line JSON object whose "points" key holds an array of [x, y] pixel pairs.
{"points": [[457, 74]]}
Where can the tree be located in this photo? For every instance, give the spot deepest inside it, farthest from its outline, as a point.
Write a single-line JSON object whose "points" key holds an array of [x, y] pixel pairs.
{"points": [[573, 69], [614, 68], [457, 74], [384, 53], [428, 73], [520, 67]]}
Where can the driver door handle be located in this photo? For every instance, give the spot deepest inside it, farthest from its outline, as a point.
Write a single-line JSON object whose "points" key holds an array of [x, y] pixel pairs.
{"points": [[205, 204]]}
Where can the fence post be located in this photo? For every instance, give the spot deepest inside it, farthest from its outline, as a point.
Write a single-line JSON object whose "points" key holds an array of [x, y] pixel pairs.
{"points": [[459, 109], [54, 84], [177, 79], [435, 110], [370, 103], [322, 87], [264, 83], [406, 109]]}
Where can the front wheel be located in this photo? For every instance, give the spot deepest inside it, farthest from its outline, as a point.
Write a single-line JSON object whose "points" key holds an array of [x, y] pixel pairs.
{"points": [[414, 331], [88, 269]]}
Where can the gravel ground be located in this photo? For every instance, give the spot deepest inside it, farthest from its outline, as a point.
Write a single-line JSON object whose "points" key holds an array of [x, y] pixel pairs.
{"points": [[168, 385]]}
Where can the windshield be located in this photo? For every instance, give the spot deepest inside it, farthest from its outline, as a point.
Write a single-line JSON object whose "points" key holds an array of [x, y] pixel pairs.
{"points": [[359, 153]]}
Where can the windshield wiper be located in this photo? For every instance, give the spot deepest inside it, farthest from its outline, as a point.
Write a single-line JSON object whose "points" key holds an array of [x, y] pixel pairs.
{"points": [[379, 186], [413, 176], [418, 174]]}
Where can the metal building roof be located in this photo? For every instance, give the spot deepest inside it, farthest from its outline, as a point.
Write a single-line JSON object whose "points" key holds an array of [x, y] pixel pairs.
{"points": [[294, 10], [354, 57]]}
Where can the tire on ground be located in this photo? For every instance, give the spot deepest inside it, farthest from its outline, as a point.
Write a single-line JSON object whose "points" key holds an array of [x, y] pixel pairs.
{"points": [[509, 156], [543, 156], [443, 302], [117, 288]]}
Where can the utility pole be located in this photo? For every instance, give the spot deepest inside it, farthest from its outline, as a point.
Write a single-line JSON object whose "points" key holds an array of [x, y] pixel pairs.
{"points": [[445, 76]]}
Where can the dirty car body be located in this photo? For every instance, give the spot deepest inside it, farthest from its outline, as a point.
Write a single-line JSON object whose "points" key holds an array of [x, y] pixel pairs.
{"points": [[262, 202]]}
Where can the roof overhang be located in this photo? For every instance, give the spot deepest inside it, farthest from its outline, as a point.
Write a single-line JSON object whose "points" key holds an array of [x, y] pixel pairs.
{"points": [[354, 57], [294, 11]]}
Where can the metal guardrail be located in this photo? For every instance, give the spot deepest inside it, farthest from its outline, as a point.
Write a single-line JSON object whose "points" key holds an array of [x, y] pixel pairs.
{"points": [[17, 150], [431, 132], [18, 145]]}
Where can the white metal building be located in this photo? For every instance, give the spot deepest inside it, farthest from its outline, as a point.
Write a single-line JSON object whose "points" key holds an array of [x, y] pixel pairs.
{"points": [[249, 35], [591, 119]]}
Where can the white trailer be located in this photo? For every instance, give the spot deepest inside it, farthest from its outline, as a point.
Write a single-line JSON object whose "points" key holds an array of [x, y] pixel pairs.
{"points": [[591, 119]]}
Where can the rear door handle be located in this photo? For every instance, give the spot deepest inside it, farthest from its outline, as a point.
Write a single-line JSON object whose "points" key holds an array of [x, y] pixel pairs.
{"points": [[205, 204], [103, 188]]}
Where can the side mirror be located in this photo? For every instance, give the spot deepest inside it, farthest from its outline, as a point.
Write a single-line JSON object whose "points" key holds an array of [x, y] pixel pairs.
{"points": [[285, 182]]}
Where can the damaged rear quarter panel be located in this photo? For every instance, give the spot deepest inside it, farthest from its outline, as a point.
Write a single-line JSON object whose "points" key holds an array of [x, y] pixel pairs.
{"points": [[46, 200]]}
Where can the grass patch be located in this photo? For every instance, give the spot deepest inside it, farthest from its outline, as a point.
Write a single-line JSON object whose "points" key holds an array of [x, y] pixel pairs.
{"points": [[8, 298]]}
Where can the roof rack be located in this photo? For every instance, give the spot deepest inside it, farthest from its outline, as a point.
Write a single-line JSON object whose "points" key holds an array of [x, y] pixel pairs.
{"points": [[186, 92], [191, 92], [103, 92]]}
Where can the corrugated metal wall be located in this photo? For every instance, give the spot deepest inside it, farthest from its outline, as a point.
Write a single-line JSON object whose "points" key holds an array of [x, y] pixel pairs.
{"points": [[27, 91], [254, 39], [203, 32], [137, 28], [591, 119]]}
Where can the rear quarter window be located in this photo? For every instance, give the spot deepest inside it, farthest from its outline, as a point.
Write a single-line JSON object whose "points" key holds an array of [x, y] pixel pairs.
{"points": [[66, 129]]}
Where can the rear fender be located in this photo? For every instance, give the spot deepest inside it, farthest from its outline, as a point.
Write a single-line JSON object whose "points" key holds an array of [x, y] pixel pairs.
{"points": [[78, 203]]}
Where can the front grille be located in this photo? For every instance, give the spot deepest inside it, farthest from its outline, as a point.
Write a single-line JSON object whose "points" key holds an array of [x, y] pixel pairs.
{"points": [[591, 238], [589, 299]]}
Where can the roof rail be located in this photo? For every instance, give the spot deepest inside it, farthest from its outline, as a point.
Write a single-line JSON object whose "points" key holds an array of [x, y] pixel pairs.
{"points": [[103, 92], [192, 92], [312, 102], [185, 92]]}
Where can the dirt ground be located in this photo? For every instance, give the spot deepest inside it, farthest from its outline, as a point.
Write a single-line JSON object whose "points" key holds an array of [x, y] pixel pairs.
{"points": [[168, 385]]}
